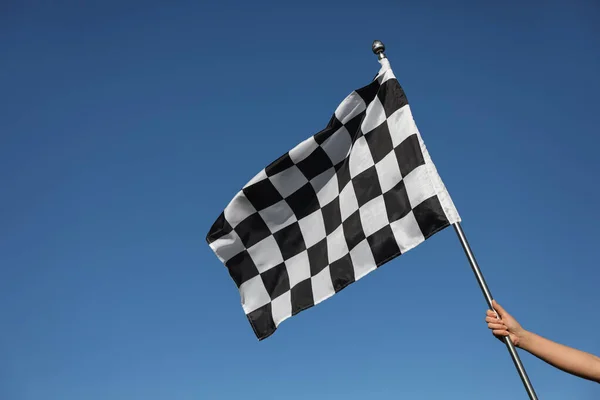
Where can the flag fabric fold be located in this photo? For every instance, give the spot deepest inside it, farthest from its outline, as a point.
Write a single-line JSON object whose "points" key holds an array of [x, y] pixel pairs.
{"points": [[345, 201]]}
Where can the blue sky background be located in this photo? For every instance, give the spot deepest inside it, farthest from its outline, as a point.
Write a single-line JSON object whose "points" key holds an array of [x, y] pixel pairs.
{"points": [[126, 127]]}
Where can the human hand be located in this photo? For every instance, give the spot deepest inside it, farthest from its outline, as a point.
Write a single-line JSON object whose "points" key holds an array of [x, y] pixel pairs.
{"points": [[506, 325]]}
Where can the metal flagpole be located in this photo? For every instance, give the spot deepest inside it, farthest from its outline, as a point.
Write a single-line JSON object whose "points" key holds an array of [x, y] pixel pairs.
{"points": [[379, 48], [488, 297]]}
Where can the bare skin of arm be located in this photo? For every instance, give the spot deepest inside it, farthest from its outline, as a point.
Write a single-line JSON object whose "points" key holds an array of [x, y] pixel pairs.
{"points": [[568, 359]]}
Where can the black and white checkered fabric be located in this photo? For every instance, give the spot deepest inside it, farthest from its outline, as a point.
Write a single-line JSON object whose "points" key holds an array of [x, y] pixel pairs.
{"points": [[334, 208]]}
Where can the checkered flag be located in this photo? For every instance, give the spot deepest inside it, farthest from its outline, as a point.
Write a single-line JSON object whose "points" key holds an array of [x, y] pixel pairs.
{"points": [[334, 208]]}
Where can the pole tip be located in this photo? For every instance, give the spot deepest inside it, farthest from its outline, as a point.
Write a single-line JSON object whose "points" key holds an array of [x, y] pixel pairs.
{"points": [[378, 48]]}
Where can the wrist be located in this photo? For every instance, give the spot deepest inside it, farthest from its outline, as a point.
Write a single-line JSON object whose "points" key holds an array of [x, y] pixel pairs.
{"points": [[524, 339]]}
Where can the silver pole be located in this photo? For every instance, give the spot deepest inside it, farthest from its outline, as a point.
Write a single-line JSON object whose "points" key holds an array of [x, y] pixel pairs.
{"points": [[379, 49], [488, 297]]}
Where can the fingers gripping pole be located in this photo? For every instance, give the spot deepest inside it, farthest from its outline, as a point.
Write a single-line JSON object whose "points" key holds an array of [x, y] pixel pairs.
{"points": [[488, 297]]}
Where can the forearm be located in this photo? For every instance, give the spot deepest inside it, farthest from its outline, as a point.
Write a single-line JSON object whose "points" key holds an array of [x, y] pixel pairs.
{"points": [[568, 359]]}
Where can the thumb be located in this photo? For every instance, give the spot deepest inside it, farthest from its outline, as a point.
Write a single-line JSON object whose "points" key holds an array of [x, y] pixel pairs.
{"points": [[499, 309]]}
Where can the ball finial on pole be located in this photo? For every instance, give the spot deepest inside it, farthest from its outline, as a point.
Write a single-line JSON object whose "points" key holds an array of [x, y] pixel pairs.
{"points": [[379, 48]]}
